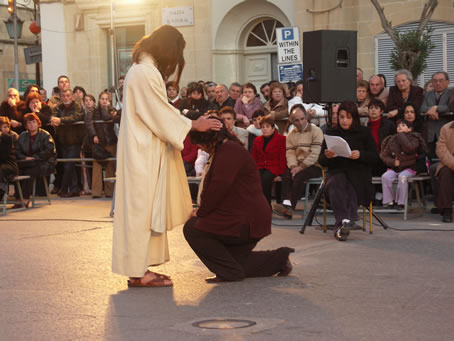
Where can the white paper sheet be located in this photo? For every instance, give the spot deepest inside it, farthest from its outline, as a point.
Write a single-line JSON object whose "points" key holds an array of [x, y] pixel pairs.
{"points": [[338, 145]]}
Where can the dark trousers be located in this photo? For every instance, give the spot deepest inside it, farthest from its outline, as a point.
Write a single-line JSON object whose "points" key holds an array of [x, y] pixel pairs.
{"points": [[70, 181], [342, 197], [232, 258], [27, 185], [293, 188], [445, 188], [267, 185]]}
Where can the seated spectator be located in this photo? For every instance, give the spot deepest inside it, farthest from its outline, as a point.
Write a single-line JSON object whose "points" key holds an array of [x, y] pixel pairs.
{"points": [[102, 134], [436, 108], [383, 78], [12, 107], [172, 93], [314, 110], [349, 180], [254, 129], [410, 112], [231, 189], [43, 93], [332, 118], [277, 106], [289, 90], [8, 164], [222, 98], [402, 92], [377, 89], [265, 91], [445, 172], [400, 152], [184, 92], [195, 102], [362, 100], [380, 128], [34, 104], [303, 146], [79, 94], [210, 90], [268, 152], [36, 154], [359, 74], [31, 89], [428, 86], [235, 91], [228, 116], [247, 104]]}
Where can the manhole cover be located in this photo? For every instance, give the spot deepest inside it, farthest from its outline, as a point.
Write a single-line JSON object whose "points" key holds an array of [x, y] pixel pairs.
{"points": [[223, 324]]}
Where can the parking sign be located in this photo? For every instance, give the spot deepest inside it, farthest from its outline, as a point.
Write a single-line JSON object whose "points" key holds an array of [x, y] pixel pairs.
{"points": [[288, 45]]}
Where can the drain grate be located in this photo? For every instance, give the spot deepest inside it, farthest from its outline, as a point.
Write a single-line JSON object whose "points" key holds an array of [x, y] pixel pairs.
{"points": [[223, 324]]}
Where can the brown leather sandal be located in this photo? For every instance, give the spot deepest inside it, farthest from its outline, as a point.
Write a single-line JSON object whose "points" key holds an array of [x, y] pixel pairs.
{"points": [[158, 281]]}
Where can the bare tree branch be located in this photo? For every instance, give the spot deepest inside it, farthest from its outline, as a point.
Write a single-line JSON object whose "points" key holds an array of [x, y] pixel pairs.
{"points": [[426, 14], [384, 22]]}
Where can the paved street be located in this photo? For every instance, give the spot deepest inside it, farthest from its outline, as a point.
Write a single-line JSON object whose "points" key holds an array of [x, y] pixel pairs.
{"points": [[56, 284]]}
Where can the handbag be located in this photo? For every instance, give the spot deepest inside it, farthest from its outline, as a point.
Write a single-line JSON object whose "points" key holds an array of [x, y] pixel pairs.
{"points": [[100, 153]]}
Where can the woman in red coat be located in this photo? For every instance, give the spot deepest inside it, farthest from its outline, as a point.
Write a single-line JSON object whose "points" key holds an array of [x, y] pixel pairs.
{"points": [[268, 152], [233, 215]]}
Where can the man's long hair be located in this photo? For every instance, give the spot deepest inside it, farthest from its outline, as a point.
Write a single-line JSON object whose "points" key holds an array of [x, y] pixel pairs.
{"points": [[165, 44]]}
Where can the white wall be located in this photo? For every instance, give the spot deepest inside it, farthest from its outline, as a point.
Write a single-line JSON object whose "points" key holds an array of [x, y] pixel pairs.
{"points": [[53, 41]]}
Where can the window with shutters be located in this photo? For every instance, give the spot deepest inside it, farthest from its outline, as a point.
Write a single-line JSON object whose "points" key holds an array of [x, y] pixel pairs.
{"points": [[440, 59]]}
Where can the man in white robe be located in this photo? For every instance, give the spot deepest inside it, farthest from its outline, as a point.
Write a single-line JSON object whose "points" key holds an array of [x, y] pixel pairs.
{"points": [[152, 193]]}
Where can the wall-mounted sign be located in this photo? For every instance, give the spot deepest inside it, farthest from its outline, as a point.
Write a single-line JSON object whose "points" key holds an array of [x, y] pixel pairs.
{"points": [[290, 72], [23, 83], [178, 16], [288, 45]]}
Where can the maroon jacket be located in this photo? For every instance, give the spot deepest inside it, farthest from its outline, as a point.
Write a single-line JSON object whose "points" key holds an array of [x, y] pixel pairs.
{"points": [[273, 157], [232, 195]]}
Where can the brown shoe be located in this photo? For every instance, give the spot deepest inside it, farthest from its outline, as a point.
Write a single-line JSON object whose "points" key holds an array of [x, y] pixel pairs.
{"points": [[283, 211]]}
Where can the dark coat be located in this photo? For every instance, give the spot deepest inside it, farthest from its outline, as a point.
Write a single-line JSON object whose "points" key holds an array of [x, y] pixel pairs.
{"points": [[273, 157], [229, 102], [405, 147], [8, 164], [232, 195], [13, 113], [358, 172], [43, 150], [395, 100], [197, 105], [44, 116], [67, 132], [104, 131]]}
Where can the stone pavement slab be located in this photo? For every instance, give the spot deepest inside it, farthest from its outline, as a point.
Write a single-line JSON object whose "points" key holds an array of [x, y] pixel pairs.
{"points": [[57, 284]]}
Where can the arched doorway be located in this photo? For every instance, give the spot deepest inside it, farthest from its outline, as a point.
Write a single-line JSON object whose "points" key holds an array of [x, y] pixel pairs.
{"points": [[260, 51], [245, 43]]}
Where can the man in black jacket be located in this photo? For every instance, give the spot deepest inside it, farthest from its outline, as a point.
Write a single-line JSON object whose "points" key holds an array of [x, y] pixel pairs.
{"points": [[222, 98], [69, 138]]}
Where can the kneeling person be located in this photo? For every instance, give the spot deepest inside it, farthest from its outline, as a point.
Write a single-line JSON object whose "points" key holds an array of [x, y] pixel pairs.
{"points": [[303, 145], [233, 214]]}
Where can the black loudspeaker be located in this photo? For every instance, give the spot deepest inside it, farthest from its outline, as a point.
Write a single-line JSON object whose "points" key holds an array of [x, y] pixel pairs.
{"points": [[329, 66]]}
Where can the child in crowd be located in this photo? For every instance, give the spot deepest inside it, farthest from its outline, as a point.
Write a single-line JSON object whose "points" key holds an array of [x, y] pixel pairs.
{"points": [[400, 152]]}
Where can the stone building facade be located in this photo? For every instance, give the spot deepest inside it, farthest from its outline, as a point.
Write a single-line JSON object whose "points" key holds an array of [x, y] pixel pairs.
{"points": [[229, 40]]}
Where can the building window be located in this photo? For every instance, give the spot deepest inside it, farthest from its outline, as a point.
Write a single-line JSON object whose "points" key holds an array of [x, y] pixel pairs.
{"points": [[440, 59], [263, 34]]}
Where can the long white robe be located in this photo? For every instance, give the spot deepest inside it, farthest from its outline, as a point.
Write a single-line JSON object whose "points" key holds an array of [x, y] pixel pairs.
{"points": [[152, 193]]}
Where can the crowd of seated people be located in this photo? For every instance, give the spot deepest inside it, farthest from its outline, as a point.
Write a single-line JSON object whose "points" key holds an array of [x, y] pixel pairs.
{"points": [[283, 134]]}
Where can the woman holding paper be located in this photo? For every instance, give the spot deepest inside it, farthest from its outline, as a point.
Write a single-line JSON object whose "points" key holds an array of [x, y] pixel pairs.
{"points": [[348, 182]]}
